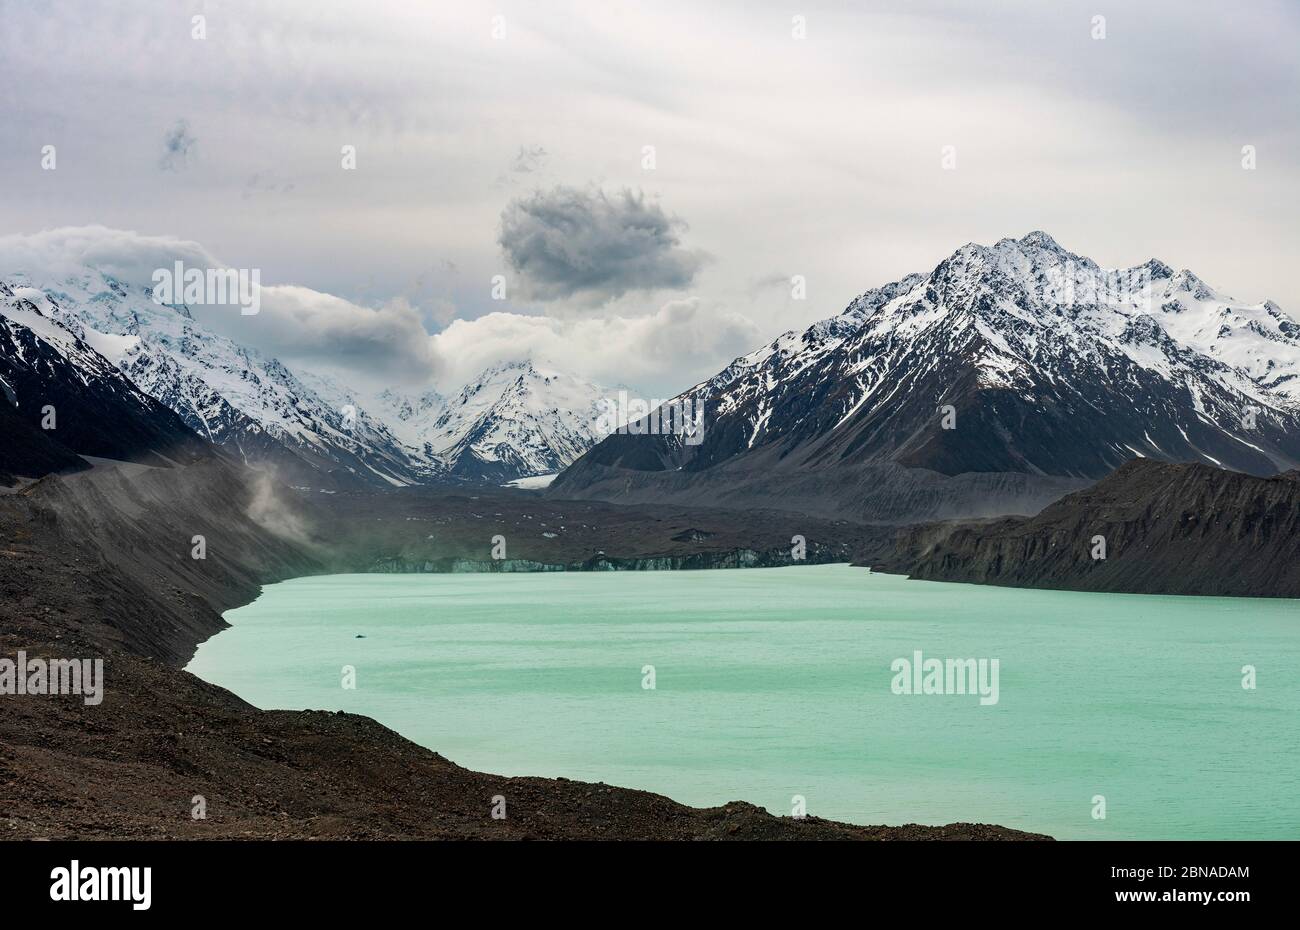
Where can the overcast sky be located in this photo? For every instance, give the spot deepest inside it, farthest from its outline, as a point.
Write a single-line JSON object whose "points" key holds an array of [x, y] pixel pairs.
{"points": [[517, 147]]}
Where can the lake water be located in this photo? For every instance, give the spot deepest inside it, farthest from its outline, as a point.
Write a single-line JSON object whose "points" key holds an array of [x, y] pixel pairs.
{"points": [[772, 683]]}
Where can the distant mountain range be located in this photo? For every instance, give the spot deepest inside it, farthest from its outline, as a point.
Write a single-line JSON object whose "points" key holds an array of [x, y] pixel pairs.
{"points": [[513, 421], [1006, 376]]}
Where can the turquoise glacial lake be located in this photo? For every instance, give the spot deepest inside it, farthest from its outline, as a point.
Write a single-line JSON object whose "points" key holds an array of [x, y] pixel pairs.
{"points": [[776, 683]]}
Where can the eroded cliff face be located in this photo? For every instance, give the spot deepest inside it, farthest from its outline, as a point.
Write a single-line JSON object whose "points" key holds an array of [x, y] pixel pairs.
{"points": [[154, 555], [414, 531], [725, 558], [1163, 529]]}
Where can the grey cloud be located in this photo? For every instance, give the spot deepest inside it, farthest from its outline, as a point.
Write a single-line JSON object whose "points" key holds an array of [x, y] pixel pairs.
{"points": [[177, 147], [573, 243], [387, 344]]}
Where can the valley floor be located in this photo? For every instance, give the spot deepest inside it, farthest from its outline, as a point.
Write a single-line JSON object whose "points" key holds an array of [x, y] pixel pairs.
{"points": [[100, 565]]}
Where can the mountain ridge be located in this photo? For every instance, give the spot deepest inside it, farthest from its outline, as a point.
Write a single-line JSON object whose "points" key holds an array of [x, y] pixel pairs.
{"points": [[1016, 358], [310, 427]]}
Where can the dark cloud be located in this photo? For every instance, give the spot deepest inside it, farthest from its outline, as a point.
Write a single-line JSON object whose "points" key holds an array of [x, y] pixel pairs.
{"points": [[591, 245], [298, 324], [178, 145]]}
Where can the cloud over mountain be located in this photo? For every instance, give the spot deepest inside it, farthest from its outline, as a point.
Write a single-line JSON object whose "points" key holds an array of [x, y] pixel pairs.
{"points": [[656, 348], [295, 322], [654, 352]]}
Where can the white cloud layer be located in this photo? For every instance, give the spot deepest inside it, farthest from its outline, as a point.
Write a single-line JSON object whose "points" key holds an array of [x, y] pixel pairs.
{"points": [[645, 352]]}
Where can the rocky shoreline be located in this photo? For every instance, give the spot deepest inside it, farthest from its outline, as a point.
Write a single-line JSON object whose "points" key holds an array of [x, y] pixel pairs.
{"points": [[101, 564], [1148, 528]]}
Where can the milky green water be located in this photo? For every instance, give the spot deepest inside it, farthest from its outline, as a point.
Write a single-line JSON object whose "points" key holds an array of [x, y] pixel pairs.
{"points": [[771, 683]]}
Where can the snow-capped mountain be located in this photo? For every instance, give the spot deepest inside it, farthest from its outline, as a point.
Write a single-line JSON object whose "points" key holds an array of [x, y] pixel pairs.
{"points": [[511, 422], [517, 420], [514, 420], [61, 397], [233, 396], [1019, 357]]}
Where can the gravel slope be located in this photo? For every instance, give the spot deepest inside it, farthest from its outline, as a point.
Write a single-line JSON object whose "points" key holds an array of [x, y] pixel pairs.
{"points": [[1168, 528]]}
